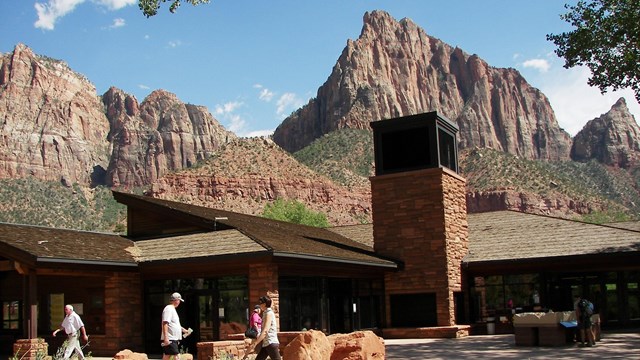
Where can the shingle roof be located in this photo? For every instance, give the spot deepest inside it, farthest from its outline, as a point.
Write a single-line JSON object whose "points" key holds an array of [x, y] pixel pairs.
{"points": [[278, 237], [511, 235], [629, 225], [362, 233], [215, 243], [33, 244]]}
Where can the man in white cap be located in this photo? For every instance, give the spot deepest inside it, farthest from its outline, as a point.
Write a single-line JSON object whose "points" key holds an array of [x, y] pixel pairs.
{"points": [[171, 329], [72, 325]]}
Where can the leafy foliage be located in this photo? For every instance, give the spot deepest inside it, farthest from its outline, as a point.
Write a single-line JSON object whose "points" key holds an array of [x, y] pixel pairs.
{"points": [[36, 202], [295, 212], [606, 39], [150, 7]]}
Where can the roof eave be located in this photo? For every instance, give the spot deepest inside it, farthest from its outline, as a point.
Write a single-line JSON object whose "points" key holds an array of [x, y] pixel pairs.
{"points": [[389, 265], [86, 262]]}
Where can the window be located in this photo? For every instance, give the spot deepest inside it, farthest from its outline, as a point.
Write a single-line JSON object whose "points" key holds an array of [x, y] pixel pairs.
{"points": [[11, 315]]}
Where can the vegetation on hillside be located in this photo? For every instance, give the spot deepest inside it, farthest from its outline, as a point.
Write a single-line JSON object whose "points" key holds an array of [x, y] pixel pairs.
{"points": [[345, 156], [590, 182], [294, 211], [35, 202]]}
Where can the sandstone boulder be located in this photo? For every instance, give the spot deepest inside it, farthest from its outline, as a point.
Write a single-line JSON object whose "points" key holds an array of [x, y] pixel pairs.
{"points": [[359, 345], [311, 345], [127, 354]]}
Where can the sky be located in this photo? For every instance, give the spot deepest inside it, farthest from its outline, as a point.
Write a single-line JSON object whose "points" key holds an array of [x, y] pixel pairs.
{"points": [[253, 63]]}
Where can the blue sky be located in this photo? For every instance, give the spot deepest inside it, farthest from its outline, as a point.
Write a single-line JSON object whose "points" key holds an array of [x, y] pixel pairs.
{"points": [[252, 63]]}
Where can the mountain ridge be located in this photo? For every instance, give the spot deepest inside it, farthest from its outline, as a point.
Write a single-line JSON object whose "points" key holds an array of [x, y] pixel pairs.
{"points": [[181, 152]]}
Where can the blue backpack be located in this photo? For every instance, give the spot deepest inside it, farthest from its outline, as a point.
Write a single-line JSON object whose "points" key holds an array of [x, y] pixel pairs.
{"points": [[586, 307]]}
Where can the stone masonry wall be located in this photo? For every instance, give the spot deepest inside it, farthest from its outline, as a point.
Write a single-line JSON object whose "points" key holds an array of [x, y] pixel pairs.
{"points": [[263, 280], [420, 218], [124, 329]]}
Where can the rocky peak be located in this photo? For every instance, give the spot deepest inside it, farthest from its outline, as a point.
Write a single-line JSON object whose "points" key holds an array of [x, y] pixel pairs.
{"points": [[160, 135], [53, 127], [612, 139], [395, 69]]}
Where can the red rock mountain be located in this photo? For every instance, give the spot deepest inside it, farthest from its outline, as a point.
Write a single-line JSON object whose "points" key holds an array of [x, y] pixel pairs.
{"points": [[247, 173], [612, 139], [55, 127], [394, 69], [157, 137], [52, 126]]}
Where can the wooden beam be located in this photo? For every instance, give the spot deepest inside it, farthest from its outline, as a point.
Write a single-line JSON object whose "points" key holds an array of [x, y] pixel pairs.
{"points": [[22, 269], [5, 265]]}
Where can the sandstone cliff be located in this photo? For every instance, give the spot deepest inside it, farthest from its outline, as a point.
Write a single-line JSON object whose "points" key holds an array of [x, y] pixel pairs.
{"points": [[248, 173], [394, 69], [157, 137], [612, 139], [52, 126]]}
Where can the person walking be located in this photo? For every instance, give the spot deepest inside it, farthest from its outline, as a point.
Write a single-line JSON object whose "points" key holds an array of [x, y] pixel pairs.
{"points": [[172, 331], [72, 325], [266, 344]]}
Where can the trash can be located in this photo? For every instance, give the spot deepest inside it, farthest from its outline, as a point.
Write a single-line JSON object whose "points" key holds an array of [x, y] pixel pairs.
{"points": [[491, 326]]}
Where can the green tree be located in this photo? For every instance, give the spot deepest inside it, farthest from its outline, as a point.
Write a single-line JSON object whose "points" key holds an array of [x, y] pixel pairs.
{"points": [[606, 39], [295, 212], [150, 7]]}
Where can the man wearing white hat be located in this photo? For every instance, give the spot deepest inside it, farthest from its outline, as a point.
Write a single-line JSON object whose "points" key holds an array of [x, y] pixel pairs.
{"points": [[171, 329]]}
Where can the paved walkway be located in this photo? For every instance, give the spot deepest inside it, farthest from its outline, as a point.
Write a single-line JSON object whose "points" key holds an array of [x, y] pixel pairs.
{"points": [[612, 346], [615, 345]]}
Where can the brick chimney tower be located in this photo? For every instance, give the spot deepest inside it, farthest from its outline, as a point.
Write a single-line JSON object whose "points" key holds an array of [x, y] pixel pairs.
{"points": [[420, 218]]}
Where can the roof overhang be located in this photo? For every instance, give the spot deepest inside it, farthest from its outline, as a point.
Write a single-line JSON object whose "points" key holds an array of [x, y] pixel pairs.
{"points": [[85, 262], [387, 265], [587, 262]]}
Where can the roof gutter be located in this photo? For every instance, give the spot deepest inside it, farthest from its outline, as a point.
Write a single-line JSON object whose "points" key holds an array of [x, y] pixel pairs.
{"points": [[329, 259], [85, 262]]}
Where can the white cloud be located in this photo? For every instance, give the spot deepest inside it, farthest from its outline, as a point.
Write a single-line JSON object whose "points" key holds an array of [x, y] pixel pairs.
{"points": [[259, 133], [236, 123], [51, 11], [175, 43], [116, 4], [541, 65], [266, 95], [575, 102], [143, 87], [287, 103], [228, 108], [118, 22]]}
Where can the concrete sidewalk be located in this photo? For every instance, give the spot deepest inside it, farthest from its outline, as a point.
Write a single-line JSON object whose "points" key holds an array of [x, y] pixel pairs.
{"points": [[616, 345]]}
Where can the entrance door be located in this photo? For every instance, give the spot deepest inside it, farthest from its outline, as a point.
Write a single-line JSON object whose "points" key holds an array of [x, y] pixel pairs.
{"points": [[199, 316], [340, 306]]}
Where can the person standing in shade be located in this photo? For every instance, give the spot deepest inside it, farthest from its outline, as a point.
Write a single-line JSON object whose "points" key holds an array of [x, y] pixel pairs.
{"points": [[72, 324], [267, 341], [584, 310], [172, 331], [256, 320]]}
